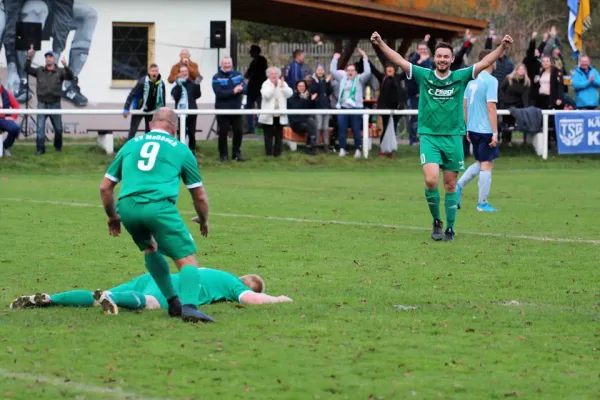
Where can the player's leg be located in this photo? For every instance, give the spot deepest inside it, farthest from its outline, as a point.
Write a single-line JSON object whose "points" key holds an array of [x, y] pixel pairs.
{"points": [[453, 163], [487, 156], [73, 298], [430, 161], [175, 241], [134, 217], [472, 172]]}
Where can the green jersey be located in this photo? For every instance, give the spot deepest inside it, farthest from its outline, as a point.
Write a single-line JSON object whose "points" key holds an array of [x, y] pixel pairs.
{"points": [[215, 286], [150, 167], [441, 100]]}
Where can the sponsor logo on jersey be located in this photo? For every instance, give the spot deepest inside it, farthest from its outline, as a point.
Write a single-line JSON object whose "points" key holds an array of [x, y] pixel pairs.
{"points": [[441, 93]]}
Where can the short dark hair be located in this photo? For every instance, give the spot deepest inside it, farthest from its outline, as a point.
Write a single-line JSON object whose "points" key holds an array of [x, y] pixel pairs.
{"points": [[444, 45], [296, 52], [153, 65], [484, 53], [423, 43]]}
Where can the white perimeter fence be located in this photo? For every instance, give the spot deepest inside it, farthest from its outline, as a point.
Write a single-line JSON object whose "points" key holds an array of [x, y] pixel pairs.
{"points": [[540, 140]]}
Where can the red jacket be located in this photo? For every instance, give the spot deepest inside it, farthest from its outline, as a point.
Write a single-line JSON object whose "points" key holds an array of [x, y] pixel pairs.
{"points": [[8, 101]]}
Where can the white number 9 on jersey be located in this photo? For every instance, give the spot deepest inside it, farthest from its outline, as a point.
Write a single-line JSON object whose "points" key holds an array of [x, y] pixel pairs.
{"points": [[148, 152]]}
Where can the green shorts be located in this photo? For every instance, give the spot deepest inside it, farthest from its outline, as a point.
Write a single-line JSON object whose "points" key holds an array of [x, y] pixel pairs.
{"points": [[444, 150], [158, 220], [145, 285]]}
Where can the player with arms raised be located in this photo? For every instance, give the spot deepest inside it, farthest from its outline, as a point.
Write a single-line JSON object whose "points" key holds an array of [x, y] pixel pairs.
{"points": [[441, 123], [149, 168]]}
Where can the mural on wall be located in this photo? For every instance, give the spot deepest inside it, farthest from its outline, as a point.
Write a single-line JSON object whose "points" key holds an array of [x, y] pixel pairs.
{"points": [[58, 19]]}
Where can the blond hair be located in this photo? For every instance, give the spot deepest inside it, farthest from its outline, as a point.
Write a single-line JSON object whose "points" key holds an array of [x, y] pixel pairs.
{"points": [[513, 75], [254, 282]]}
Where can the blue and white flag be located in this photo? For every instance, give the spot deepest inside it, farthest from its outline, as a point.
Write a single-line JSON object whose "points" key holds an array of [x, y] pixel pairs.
{"points": [[573, 12]]}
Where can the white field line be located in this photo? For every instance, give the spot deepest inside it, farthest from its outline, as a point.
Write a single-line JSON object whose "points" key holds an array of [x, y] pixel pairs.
{"points": [[340, 222], [115, 392]]}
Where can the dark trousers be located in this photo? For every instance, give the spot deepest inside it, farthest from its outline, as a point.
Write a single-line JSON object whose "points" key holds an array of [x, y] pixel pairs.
{"points": [[251, 100], [135, 124], [224, 123], [56, 121], [413, 125], [190, 131], [309, 127], [385, 119], [350, 121], [273, 138], [11, 127], [508, 124]]}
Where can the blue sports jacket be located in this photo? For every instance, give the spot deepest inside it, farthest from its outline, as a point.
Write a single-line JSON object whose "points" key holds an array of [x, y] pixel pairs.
{"points": [[586, 93], [223, 84]]}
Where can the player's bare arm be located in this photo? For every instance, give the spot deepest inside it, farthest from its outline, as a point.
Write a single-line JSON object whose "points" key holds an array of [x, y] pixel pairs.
{"points": [[253, 298], [491, 58], [493, 117], [107, 195], [466, 115], [393, 56], [200, 199]]}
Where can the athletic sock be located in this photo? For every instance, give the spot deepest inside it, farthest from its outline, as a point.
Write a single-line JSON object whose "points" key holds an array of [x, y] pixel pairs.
{"points": [[74, 298], [433, 201], [451, 208], [130, 300], [189, 285], [485, 184], [158, 267], [471, 173]]}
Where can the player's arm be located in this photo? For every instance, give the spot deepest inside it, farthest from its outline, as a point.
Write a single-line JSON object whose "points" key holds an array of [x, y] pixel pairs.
{"points": [[200, 199], [107, 193], [393, 56], [190, 175], [252, 298], [491, 97], [465, 110], [491, 58]]}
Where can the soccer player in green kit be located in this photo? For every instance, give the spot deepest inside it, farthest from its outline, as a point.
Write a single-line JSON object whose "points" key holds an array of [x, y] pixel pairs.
{"points": [[143, 293], [441, 123], [149, 168]]}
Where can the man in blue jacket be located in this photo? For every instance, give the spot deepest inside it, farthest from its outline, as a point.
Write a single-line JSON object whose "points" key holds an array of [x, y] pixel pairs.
{"points": [[586, 82], [229, 87]]}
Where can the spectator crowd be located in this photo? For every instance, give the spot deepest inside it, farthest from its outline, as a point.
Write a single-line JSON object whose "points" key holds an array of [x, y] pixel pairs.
{"points": [[539, 81]]}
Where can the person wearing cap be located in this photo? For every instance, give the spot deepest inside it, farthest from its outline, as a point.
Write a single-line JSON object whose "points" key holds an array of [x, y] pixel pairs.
{"points": [[256, 75], [50, 79]]}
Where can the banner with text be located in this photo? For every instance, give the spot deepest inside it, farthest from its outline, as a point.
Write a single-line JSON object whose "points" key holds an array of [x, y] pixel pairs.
{"points": [[578, 132]]}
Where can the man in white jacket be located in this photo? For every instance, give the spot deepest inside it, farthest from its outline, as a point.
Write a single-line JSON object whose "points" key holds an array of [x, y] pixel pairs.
{"points": [[274, 92]]}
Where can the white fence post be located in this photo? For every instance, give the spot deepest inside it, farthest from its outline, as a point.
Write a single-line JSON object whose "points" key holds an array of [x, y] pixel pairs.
{"points": [[545, 119], [182, 127], [365, 133]]}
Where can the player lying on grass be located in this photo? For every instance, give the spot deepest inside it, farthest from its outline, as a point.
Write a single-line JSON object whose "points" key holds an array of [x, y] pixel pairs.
{"points": [[143, 293], [441, 123]]}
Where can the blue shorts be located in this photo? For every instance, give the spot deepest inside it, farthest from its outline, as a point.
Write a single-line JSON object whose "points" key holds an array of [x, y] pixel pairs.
{"points": [[481, 147]]}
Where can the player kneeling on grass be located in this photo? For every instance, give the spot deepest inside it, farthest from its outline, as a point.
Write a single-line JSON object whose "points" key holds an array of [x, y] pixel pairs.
{"points": [[481, 119], [143, 293]]}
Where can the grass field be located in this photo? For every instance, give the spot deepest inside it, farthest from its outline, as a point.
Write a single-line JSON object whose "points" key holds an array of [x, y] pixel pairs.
{"points": [[510, 309]]}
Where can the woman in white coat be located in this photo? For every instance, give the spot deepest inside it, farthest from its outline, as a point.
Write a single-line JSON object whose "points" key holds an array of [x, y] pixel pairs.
{"points": [[275, 92]]}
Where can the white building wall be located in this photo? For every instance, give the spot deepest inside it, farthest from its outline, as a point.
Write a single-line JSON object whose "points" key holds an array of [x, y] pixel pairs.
{"points": [[178, 24]]}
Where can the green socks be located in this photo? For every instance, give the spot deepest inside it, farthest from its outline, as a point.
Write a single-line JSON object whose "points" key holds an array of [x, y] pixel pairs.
{"points": [[158, 267], [130, 300], [74, 298], [189, 285], [451, 207], [433, 201]]}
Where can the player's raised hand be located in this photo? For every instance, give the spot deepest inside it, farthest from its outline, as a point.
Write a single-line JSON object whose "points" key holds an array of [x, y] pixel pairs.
{"points": [[376, 38], [507, 41], [114, 226]]}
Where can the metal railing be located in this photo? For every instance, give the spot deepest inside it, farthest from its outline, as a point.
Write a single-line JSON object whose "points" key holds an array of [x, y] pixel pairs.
{"points": [[542, 149]]}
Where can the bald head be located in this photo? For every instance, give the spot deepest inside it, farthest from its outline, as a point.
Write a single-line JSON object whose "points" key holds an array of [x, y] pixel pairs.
{"points": [[165, 119]]}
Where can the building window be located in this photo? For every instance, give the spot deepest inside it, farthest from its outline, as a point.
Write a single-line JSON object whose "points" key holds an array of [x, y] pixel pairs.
{"points": [[132, 50]]}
